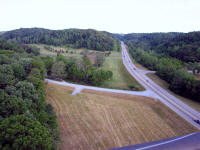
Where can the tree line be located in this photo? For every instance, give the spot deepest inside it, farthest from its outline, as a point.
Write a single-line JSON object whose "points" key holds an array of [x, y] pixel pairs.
{"points": [[183, 46], [75, 38], [26, 120], [81, 71], [14, 47], [170, 70]]}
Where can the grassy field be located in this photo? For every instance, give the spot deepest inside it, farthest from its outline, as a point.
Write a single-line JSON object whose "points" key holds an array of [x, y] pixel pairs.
{"points": [[165, 85], [66, 51], [98, 121], [121, 77]]}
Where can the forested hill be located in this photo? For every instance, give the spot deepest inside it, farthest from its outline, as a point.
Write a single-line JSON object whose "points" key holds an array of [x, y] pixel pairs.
{"points": [[184, 46], [76, 38]]}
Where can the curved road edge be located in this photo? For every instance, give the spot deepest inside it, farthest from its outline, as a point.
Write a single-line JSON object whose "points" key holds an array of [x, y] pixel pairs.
{"points": [[183, 110]]}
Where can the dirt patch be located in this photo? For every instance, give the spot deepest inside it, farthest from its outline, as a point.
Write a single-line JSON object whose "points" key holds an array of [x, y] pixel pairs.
{"points": [[140, 99]]}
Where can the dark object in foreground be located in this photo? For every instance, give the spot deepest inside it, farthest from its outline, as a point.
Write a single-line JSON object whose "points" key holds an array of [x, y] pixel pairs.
{"points": [[185, 142], [197, 121]]}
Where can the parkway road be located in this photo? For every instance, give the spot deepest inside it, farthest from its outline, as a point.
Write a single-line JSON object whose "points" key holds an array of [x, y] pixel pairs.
{"points": [[152, 90]]}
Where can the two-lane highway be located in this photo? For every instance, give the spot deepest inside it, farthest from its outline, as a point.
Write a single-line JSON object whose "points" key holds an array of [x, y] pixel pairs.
{"points": [[172, 102]]}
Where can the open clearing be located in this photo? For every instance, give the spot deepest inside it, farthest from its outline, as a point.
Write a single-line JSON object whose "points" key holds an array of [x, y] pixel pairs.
{"points": [[47, 50], [165, 86], [121, 77], [94, 120]]}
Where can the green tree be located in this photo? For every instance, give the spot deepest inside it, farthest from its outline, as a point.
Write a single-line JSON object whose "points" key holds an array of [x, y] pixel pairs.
{"points": [[11, 105], [58, 70], [48, 61], [99, 60], [18, 71], [20, 132], [6, 75], [86, 62]]}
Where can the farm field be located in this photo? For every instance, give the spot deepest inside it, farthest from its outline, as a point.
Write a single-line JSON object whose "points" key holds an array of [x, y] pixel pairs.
{"points": [[121, 77], [94, 120], [165, 85]]}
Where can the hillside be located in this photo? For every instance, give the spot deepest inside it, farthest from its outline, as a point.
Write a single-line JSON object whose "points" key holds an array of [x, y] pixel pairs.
{"points": [[171, 55], [183, 46], [76, 38]]}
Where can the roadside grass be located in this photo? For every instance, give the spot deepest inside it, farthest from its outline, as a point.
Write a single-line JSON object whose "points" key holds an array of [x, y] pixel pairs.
{"points": [[165, 86], [121, 77], [94, 120]]}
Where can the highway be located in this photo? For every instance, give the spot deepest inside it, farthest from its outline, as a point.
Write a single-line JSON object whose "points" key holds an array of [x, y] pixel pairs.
{"points": [[185, 142], [172, 102]]}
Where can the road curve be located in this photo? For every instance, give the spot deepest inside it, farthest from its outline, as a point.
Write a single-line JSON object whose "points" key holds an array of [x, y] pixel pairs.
{"points": [[172, 102]]}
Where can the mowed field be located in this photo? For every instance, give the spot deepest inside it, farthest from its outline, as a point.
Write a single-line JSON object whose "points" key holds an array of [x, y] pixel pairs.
{"points": [[121, 77], [94, 120]]}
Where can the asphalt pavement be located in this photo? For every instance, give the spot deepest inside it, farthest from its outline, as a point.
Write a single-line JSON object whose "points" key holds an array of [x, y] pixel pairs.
{"points": [[171, 101], [185, 142]]}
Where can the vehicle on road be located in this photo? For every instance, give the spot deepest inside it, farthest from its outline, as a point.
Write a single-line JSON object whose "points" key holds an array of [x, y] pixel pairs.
{"points": [[197, 121]]}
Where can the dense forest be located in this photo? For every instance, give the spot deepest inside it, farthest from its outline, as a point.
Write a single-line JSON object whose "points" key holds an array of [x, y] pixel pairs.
{"points": [[76, 38], [26, 120], [183, 46]]}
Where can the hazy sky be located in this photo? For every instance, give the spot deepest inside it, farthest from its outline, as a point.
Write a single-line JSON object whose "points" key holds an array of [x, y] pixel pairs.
{"points": [[118, 16]]}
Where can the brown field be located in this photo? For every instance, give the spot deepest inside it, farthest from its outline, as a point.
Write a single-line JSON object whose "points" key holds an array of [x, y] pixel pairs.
{"points": [[94, 120], [197, 76]]}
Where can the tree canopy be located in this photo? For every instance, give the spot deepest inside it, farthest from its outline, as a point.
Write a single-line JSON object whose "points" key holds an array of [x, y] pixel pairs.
{"points": [[76, 38], [26, 120]]}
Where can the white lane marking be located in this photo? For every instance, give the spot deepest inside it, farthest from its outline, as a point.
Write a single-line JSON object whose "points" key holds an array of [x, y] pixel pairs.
{"points": [[166, 142]]}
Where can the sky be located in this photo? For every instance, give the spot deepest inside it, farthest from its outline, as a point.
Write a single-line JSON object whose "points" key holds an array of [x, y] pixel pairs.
{"points": [[116, 16]]}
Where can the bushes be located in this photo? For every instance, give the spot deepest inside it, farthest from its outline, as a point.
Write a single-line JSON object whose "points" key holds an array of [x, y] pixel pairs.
{"points": [[21, 132], [6, 52]]}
